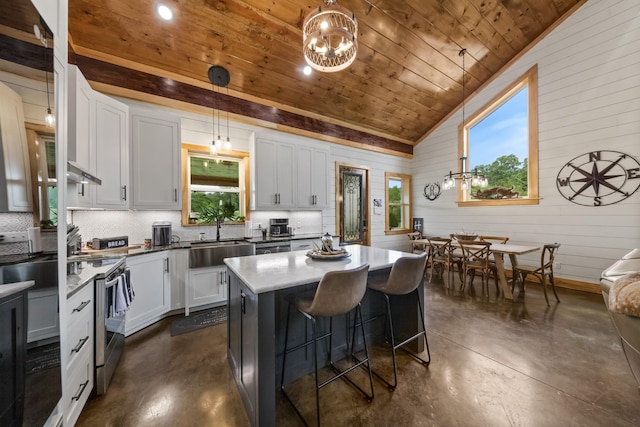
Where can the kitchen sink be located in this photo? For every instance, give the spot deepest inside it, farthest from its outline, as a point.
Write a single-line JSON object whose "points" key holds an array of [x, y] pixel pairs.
{"points": [[43, 272], [209, 254]]}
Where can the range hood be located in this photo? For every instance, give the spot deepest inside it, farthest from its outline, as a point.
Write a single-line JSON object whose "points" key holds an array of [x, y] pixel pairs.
{"points": [[76, 173]]}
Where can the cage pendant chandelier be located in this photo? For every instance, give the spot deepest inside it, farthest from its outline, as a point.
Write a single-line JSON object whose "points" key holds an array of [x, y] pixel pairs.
{"points": [[330, 37]]}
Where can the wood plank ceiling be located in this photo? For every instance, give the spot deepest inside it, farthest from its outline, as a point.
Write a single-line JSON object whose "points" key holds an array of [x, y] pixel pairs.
{"points": [[406, 78]]}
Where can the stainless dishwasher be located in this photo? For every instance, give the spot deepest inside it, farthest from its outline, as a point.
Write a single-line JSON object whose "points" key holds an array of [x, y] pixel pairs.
{"points": [[273, 247]]}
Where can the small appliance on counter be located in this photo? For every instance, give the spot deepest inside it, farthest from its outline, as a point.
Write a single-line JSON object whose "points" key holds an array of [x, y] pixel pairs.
{"points": [[161, 233], [279, 227], [110, 242], [248, 228], [35, 240], [74, 240]]}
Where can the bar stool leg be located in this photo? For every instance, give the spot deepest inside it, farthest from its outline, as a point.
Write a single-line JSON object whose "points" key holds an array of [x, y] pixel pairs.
{"points": [[284, 353], [366, 350], [395, 346], [315, 365], [339, 374]]}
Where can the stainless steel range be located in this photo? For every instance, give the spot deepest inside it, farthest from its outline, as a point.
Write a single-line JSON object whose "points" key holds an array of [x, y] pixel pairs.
{"points": [[109, 324]]}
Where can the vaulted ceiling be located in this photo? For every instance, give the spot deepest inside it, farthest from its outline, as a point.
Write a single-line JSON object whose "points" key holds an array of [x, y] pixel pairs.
{"points": [[407, 76]]}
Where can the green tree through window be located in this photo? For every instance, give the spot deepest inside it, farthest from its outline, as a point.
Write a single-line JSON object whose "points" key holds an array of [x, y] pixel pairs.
{"points": [[501, 141]]}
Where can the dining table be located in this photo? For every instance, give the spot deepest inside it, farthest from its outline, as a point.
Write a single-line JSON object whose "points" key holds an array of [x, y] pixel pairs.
{"points": [[498, 250]]}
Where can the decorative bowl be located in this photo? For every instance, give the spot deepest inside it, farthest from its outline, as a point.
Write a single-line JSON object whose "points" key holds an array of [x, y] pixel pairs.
{"points": [[465, 236]]}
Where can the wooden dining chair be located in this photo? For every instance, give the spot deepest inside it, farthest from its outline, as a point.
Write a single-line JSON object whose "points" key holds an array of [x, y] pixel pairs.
{"points": [[416, 248], [442, 256], [544, 270], [475, 257], [495, 240]]}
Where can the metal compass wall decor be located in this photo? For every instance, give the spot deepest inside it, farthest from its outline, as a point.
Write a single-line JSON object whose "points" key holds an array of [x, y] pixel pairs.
{"points": [[431, 191], [599, 178]]}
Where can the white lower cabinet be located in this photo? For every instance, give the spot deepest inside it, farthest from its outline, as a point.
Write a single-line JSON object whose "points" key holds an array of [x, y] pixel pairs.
{"points": [[78, 353], [206, 286], [178, 265], [43, 314], [151, 284]]}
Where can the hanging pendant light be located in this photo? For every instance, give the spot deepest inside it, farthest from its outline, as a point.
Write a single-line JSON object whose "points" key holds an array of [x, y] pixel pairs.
{"points": [[464, 177], [219, 77], [330, 37], [49, 118]]}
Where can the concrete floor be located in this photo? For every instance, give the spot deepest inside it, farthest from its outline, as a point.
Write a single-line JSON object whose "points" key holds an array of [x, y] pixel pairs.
{"points": [[494, 363]]}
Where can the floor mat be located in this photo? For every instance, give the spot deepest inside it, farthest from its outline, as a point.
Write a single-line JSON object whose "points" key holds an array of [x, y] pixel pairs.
{"points": [[43, 357], [199, 320]]}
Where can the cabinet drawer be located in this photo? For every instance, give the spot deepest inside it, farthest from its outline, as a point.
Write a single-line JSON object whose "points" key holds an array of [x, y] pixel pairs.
{"points": [[80, 340], [78, 388], [80, 306]]}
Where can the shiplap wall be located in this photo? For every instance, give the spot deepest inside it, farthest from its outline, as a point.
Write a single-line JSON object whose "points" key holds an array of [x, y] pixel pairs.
{"points": [[589, 100]]}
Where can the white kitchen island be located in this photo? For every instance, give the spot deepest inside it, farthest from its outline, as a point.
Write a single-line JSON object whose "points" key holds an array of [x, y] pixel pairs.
{"points": [[258, 291]]}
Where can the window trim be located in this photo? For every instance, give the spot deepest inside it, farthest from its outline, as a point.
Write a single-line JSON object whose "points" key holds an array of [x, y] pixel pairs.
{"points": [[529, 79], [407, 207], [242, 156]]}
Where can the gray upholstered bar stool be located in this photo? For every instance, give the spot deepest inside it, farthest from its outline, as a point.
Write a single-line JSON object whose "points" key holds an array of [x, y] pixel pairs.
{"points": [[405, 277], [338, 292]]}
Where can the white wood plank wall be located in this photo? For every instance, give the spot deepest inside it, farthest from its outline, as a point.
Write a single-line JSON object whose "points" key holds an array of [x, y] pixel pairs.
{"points": [[589, 99]]}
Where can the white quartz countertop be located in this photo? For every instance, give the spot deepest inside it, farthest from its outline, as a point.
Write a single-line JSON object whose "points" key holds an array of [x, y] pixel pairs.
{"points": [[12, 288], [87, 271], [271, 272]]}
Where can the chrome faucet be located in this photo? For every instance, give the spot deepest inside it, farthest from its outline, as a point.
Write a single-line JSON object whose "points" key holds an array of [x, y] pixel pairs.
{"points": [[218, 225]]}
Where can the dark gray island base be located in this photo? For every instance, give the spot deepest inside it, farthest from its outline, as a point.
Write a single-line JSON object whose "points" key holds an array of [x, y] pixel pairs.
{"points": [[258, 291]]}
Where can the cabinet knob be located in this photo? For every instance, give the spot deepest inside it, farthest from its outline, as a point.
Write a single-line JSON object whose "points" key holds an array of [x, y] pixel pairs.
{"points": [[124, 193]]}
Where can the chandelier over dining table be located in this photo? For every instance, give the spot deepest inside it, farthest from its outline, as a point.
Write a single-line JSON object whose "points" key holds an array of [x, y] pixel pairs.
{"points": [[330, 37], [464, 177]]}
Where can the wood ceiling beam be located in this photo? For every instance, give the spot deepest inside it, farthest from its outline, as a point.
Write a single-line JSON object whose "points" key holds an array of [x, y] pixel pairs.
{"points": [[134, 80]]}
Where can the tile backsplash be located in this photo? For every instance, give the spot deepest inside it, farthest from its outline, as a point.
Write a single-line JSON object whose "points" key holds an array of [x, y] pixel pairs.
{"points": [[15, 222], [137, 224]]}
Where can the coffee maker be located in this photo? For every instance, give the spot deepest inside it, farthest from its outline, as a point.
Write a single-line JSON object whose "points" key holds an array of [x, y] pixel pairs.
{"points": [[161, 233], [279, 227]]}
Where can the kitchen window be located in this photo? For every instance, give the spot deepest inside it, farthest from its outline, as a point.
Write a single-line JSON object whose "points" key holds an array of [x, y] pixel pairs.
{"points": [[501, 140], [216, 186], [397, 202]]}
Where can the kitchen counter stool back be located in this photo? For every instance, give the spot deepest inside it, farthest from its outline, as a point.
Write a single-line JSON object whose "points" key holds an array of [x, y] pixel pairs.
{"points": [[339, 292], [406, 275]]}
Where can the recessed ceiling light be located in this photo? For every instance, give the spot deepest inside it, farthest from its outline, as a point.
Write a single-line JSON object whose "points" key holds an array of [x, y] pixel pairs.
{"points": [[307, 70], [164, 12]]}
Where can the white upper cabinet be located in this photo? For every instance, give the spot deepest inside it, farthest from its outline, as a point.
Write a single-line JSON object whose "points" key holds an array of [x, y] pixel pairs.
{"points": [[15, 154], [290, 176], [274, 175], [155, 161], [79, 131], [313, 178], [111, 133]]}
